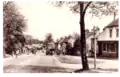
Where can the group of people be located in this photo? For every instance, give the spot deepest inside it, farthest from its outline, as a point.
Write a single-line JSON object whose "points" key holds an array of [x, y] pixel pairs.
{"points": [[22, 50]]}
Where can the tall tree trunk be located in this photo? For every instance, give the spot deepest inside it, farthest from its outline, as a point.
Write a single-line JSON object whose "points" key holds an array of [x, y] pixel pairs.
{"points": [[83, 38]]}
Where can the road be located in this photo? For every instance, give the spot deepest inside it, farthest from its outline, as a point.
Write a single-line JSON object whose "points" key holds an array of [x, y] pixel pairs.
{"points": [[40, 63], [31, 63]]}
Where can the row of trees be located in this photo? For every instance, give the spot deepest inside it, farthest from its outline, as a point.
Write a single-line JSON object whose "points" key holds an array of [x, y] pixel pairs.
{"points": [[30, 40], [74, 46], [65, 39]]}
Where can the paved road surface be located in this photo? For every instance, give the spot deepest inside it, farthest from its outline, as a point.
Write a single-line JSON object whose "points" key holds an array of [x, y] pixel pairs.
{"points": [[35, 63], [39, 63]]}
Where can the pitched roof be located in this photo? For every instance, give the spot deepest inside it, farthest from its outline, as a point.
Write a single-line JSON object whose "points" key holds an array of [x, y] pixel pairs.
{"points": [[114, 23]]}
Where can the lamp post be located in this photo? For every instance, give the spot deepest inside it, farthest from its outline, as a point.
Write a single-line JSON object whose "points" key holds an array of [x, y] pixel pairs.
{"points": [[114, 16], [94, 34]]}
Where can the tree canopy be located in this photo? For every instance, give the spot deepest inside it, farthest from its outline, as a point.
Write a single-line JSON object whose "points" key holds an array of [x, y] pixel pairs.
{"points": [[14, 24], [48, 39], [96, 8]]}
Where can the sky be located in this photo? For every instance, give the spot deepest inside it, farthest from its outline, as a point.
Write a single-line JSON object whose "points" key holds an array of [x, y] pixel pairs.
{"points": [[43, 18]]}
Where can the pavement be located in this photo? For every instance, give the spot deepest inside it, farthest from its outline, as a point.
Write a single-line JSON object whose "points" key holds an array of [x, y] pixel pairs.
{"points": [[74, 62], [40, 59]]}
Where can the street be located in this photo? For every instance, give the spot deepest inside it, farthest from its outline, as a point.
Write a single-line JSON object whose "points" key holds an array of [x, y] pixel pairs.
{"points": [[41, 63], [29, 63]]}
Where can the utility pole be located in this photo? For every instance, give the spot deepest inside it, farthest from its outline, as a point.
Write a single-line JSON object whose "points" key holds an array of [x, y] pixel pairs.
{"points": [[114, 16], [94, 34]]}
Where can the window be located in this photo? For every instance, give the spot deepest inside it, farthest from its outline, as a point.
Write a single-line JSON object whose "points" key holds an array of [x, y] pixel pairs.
{"points": [[104, 47], [110, 33], [112, 48], [118, 32]]}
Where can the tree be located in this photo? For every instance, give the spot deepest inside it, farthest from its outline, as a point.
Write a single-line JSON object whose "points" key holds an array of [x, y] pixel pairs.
{"points": [[49, 38], [77, 45], [13, 26], [96, 8], [75, 35], [28, 39]]}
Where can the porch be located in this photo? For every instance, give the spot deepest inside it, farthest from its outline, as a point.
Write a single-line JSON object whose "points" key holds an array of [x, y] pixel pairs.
{"points": [[108, 49]]}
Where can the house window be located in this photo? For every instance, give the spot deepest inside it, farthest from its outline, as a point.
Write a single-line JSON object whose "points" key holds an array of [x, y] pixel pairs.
{"points": [[110, 33], [112, 48], [104, 47], [118, 32]]}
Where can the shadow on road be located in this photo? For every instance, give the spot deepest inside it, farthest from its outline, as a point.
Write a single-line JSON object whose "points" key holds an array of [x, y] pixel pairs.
{"points": [[73, 60], [33, 69]]}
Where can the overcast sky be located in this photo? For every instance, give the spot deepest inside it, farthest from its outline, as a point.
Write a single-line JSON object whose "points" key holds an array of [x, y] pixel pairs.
{"points": [[43, 18]]}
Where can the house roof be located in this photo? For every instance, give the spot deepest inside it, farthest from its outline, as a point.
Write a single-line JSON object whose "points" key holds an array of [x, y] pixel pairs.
{"points": [[114, 23]]}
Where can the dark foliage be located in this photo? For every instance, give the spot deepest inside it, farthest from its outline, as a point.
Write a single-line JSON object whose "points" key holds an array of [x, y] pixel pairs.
{"points": [[13, 27]]}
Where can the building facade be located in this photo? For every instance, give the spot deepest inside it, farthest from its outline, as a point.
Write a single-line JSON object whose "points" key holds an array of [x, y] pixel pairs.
{"points": [[107, 40]]}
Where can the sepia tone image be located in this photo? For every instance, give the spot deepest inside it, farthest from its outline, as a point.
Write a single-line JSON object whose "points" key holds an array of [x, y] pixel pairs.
{"points": [[60, 36]]}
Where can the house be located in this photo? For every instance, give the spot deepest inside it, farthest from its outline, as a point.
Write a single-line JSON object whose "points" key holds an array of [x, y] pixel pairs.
{"points": [[107, 40]]}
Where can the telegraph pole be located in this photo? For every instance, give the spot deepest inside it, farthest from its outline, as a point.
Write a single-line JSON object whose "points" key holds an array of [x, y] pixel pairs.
{"points": [[114, 16], [94, 31]]}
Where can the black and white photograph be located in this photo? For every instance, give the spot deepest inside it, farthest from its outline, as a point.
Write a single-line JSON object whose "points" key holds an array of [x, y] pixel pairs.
{"points": [[60, 36]]}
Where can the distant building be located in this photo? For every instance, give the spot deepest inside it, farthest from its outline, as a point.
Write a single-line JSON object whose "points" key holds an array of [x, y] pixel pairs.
{"points": [[107, 40]]}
